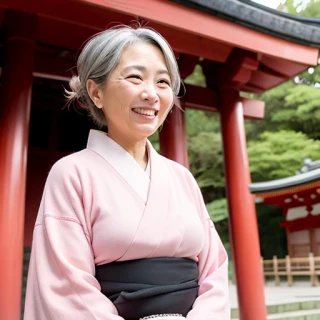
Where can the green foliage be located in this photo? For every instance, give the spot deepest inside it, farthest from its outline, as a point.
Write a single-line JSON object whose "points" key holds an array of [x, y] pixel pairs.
{"points": [[205, 152], [199, 121], [154, 139], [288, 7], [311, 77], [300, 111], [312, 10], [218, 210], [197, 77], [274, 101], [306, 102], [280, 154], [289, 107], [293, 106], [206, 160], [309, 8]]}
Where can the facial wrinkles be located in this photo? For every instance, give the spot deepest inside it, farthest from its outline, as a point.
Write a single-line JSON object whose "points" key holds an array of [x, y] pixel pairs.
{"points": [[118, 100], [148, 79], [149, 83], [148, 70]]}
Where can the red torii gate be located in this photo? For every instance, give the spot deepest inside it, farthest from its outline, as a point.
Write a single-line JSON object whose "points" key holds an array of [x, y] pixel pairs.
{"points": [[40, 39]]}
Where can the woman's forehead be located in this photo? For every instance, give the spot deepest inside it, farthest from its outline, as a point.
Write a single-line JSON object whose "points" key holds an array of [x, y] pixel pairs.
{"points": [[140, 53]]}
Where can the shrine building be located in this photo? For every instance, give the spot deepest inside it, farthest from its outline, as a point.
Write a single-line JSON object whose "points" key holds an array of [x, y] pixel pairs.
{"points": [[241, 47], [299, 198]]}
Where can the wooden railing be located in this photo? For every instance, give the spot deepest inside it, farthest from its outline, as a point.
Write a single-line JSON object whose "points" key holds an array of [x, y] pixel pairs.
{"points": [[293, 267]]}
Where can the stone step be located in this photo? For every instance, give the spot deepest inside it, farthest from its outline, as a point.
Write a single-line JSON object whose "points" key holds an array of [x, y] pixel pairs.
{"points": [[283, 308], [288, 307], [296, 315]]}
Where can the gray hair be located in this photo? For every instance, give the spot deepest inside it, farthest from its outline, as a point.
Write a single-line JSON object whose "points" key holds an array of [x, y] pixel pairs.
{"points": [[101, 55]]}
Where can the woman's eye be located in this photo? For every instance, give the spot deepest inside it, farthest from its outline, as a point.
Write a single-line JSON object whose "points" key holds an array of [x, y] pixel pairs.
{"points": [[134, 76], [164, 81]]}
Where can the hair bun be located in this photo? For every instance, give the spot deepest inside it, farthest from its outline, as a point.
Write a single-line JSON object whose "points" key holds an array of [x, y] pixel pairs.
{"points": [[75, 86]]}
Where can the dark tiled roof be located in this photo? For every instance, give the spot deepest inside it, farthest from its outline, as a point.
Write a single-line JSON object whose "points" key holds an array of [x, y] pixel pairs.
{"points": [[309, 165], [285, 183], [305, 31], [310, 172]]}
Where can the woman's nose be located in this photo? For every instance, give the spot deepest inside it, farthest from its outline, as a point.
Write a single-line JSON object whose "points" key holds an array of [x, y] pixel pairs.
{"points": [[150, 94]]}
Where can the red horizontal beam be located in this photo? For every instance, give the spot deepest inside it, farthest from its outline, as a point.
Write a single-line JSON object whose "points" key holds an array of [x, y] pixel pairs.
{"points": [[279, 199], [90, 13], [282, 67], [265, 80], [193, 44], [309, 222], [205, 99], [82, 20], [208, 26], [200, 98], [276, 196], [253, 109]]}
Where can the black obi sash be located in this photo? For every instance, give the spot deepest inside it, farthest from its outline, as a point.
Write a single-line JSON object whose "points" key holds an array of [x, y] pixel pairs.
{"points": [[140, 288]]}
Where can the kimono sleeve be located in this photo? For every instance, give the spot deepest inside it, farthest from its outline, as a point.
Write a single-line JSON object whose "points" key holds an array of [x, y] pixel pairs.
{"points": [[213, 299], [61, 282]]}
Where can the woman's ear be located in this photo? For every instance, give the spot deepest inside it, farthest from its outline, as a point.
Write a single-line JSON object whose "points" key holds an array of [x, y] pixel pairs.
{"points": [[94, 93]]}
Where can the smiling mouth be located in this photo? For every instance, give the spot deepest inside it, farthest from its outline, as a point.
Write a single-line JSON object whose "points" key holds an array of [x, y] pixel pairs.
{"points": [[145, 112]]}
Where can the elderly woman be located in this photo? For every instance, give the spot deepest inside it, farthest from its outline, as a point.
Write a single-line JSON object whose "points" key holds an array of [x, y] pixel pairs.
{"points": [[122, 232]]}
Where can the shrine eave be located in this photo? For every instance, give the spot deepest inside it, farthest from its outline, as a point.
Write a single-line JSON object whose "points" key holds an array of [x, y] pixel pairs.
{"points": [[250, 58], [286, 183], [285, 26]]}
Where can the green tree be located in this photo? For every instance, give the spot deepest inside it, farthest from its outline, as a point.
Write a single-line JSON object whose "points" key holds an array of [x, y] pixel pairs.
{"points": [[304, 8], [311, 10], [280, 154], [274, 101], [293, 105], [205, 152], [307, 9], [206, 163], [289, 107], [196, 78], [301, 110], [218, 210], [200, 121]]}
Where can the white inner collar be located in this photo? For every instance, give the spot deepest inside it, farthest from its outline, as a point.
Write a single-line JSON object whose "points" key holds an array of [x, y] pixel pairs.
{"points": [[122, 162]]}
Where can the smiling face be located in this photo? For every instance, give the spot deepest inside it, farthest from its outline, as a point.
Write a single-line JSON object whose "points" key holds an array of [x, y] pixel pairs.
{"points": [[137, 96]]}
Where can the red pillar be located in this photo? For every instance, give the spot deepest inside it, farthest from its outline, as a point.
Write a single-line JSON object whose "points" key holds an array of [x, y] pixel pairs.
{"points": [[243, 221], [173, 144], [15, 97]]}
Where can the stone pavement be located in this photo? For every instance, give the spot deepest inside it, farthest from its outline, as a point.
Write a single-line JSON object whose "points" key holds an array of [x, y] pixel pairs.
{"points": [[300, 291]]}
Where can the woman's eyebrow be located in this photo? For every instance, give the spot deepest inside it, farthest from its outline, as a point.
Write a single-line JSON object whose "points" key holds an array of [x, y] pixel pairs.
{"points": [[144, 69]]}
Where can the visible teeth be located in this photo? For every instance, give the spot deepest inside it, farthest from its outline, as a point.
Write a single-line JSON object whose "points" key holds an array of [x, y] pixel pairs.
{"points": [[145, 112]]}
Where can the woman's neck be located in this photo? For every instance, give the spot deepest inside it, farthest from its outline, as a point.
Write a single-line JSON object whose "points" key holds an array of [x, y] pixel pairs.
{"points": [[136, 148]]}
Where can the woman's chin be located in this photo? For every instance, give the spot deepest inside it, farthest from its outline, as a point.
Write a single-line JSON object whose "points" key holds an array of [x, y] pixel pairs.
{"points": [[145, 132]]}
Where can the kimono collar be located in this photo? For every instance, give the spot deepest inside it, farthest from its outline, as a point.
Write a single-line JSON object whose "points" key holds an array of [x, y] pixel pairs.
{"points": [[99, 142], [122, 161]]}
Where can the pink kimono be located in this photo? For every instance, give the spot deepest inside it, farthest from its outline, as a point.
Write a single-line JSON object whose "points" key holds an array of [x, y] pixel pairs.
{"points": [[99, 206]]}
